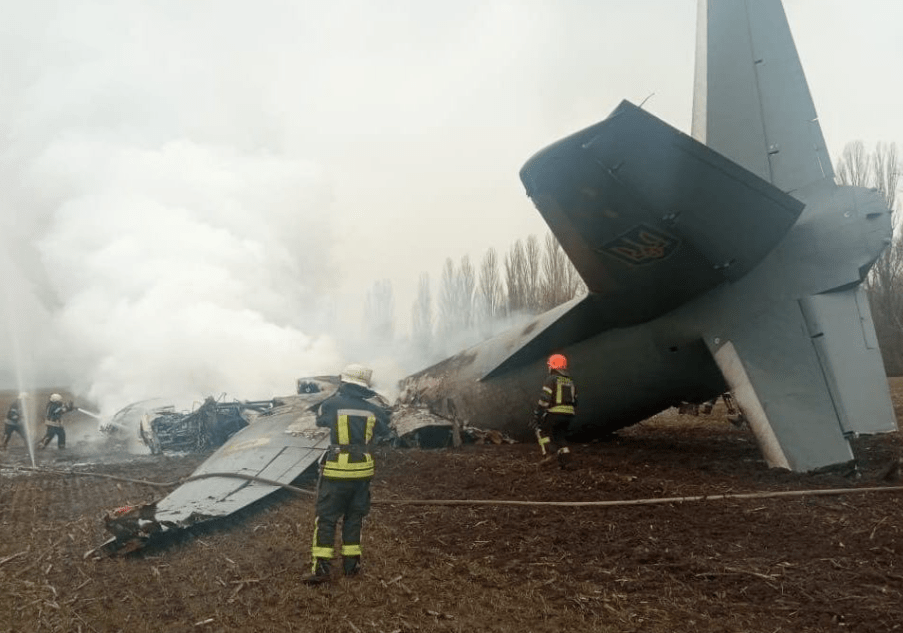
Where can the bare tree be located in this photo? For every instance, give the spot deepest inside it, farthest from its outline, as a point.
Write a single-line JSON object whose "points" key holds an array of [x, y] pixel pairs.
{"points": [[466, 287], [854, 168], [516, 278], [379, 318], [554, 290], [490, 297], [448, 300], [422, 316], [533, 259], [539, 279]]}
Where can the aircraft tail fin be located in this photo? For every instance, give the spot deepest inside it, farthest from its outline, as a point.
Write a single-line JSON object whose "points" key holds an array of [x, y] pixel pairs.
{"points": [[751, 102]]}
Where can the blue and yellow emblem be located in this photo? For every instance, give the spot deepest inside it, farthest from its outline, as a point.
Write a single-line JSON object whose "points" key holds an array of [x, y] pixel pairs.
{"points": [[641, 245]]}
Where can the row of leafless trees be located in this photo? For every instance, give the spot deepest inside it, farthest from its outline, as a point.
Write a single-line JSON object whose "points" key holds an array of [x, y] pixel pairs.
{"points": [[531, 278], [881, 169]]}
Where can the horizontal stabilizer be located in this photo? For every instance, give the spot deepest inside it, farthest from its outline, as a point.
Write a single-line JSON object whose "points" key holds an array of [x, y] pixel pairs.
{"points": [[771, 365], [841, 327], [650, 217]]}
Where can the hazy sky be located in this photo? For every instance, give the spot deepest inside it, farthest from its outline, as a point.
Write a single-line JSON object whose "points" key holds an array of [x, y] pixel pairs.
{"points": [[198, 194]]}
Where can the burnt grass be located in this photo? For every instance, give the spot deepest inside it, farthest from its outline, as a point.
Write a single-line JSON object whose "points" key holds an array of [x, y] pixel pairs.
{"points": [[799, 563]]}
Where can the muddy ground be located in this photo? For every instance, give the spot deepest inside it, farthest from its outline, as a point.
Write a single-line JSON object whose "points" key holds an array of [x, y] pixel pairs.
{"points": [[797, 563]]}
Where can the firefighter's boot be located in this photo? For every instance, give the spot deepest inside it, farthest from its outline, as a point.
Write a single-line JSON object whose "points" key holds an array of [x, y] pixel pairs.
{"points": [[351, 565], [321, 569], [564, 458]]}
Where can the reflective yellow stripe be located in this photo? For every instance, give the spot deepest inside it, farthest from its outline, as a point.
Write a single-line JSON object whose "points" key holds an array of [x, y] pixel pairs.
{"points": [[542, 440], [344, 436], [317, 551], [344, 474], [368, 434], [563, 408], [341, 468], [351, 550]]}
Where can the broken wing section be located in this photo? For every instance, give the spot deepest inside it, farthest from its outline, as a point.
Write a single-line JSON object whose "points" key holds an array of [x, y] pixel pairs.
{"points": [[651, 218], [265, 449], [277, 447], [840, 324], [771, 365], [751, 102]]}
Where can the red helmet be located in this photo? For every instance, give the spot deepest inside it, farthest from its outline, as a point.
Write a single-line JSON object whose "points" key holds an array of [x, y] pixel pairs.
{"points": [[558, 361]]}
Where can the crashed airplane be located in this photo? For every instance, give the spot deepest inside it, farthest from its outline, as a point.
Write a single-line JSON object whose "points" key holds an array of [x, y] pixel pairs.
{"points": [[729, 260]]}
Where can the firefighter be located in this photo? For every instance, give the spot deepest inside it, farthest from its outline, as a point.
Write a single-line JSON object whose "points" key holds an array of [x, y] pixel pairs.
{"points": [[554, 412], [355, 419], [14, 421], [54, 421]]}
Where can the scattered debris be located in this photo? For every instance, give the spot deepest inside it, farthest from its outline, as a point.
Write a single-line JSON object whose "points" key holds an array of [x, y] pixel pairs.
{"points": [[416, 426], [163, 429], [262, 446], [274, 450], [734, 415]]}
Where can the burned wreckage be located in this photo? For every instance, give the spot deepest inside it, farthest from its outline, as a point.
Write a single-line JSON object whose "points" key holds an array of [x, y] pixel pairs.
{"points": [[275, 442], [163, 429]]}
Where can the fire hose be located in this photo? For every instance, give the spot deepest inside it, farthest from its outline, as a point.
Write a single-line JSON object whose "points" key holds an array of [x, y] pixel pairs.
{"points": [[499, 502]]}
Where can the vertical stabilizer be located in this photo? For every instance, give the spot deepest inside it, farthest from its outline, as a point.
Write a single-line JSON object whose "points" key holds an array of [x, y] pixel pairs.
{"points": [[751, 102]]}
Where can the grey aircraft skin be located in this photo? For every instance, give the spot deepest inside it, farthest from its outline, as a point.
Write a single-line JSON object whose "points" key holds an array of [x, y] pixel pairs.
{"points": [[726, 260]]}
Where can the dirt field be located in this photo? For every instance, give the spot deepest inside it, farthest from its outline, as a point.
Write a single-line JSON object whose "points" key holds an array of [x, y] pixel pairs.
{"points": [[803, 563]]}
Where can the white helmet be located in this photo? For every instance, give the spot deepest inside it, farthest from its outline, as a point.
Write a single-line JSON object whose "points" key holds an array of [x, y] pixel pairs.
{"points": [[56, 398], [356, 375]]}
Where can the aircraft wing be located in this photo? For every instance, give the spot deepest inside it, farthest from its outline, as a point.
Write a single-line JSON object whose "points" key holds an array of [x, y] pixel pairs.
{"points": [[265, 449], [751, 101], [806, 375], [277, 447], [650, 217]]}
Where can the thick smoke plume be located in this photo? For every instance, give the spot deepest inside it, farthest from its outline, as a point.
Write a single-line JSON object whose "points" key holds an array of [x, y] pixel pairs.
{"points": [[156, 241]]}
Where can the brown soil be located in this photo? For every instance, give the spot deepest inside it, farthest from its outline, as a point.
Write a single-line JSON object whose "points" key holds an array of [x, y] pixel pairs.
{"points": [[807, 563]]}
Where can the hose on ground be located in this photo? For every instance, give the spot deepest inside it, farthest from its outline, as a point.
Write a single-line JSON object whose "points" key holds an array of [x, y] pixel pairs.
{"points": [[498, 502]]}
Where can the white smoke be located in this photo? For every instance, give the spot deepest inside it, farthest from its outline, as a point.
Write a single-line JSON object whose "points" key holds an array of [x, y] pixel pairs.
{"points": [[191, 190], [157, 240]]}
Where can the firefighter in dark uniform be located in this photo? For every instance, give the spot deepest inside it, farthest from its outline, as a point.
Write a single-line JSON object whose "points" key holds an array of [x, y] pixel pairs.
{"points": [[355, 418], [54, 421], [554, 412], [13, 422]]}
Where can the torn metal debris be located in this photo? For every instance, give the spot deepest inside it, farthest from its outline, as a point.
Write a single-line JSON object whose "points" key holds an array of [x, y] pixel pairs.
{"points": [[163, 429], [209, 426], [419, 427], [273, 448], [280, 444]]}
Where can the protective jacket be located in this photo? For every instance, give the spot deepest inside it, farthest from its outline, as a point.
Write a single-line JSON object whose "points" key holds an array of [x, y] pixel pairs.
{"points": [[55, 411], [355, 419], [559, 395], [14, 415]]}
